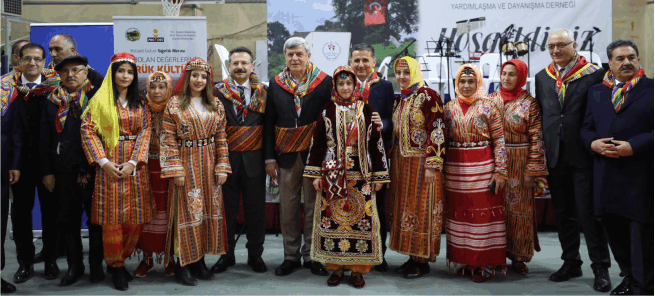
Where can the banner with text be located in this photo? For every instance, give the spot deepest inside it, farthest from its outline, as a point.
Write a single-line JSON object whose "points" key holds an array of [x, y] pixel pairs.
{"points": [[532, 21], [161, 43]]}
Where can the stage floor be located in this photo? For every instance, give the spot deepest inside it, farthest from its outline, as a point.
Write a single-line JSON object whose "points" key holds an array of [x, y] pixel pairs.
{"points": [[240, 279]]}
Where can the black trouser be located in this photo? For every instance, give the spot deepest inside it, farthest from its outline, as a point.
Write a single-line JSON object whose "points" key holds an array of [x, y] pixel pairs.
{"points": [[570, 189], [21, 217], [253, 193], [75, 197], [632, 246], [380, 198], [5, 215]]}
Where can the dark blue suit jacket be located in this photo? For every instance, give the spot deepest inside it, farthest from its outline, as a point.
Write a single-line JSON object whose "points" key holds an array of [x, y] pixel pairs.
{"points": [[622, 186], [12, 141], [381, 98]]}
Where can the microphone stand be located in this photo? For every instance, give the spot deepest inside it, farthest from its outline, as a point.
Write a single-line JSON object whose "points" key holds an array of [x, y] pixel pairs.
{"points": [[591, 46]]}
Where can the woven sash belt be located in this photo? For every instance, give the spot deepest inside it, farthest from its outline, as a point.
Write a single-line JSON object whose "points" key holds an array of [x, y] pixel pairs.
{"points": [[197, 143], [297, 139], [244, 138]]}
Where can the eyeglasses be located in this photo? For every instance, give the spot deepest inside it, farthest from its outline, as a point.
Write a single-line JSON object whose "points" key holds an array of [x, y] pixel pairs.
{"points": [[68, 72], [558, 45], [35, 59]]}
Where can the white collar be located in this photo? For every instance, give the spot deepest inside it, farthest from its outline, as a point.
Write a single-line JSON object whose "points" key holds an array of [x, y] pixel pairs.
{"points": [[246, 85], [24, 80]]}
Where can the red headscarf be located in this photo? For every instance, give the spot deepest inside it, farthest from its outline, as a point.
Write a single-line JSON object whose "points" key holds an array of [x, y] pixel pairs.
{"points": [[521, 79]]}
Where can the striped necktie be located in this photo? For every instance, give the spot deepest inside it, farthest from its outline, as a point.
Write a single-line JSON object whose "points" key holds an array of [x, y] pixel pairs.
{"points": [[617, 96], [241, 90]]}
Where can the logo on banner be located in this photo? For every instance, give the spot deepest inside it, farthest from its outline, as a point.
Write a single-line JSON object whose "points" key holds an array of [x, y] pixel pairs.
{"points": [[132, 34], [331, 50], [155, 37]]}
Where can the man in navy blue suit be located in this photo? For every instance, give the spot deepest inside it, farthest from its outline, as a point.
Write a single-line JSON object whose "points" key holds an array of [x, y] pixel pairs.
{"points": [[618, 131], [379, 94]]}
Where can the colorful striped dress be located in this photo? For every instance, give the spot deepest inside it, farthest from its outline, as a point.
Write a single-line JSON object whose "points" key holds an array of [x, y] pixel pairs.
{"points": [[128, 200], [526, 157], [194, 146], [475, 226]]}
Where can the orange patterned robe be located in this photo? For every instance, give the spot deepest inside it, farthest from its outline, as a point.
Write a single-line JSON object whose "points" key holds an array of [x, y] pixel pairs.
{"points": [[525, 157], [128, 200], [195, 211], [418, 144]]}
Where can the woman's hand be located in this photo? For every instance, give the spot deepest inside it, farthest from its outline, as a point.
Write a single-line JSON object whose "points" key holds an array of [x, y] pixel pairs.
{"points": [[318, 184], [500, 183], [127, 169], [528, 182], [377, 186], [377, 120], [430, 175], [220, 179], [112, 170], [179, 181]]}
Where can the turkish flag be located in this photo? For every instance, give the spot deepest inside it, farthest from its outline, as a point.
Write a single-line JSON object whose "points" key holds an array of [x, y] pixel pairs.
{"points": [[375, 12]]}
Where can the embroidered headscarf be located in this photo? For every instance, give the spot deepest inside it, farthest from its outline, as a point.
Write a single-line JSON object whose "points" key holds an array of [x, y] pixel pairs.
{"points": [[365, 87], [416, 77], [619, 93], [259, 92], [313, 77], [103, 108], [576, 69], [470, 70], [344, 70], [521, 79], [159, 76], [194, 64]]}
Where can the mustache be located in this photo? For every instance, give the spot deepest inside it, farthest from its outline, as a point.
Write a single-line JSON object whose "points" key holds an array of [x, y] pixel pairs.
{"points": [[240, 71], [627, 67]]}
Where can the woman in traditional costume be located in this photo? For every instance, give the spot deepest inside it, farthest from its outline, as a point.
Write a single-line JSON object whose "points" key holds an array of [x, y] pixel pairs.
{"points": [[194, 153], [525, 159], [347, 161], [476, 173], [159, 88], [116, 137], [418, 148]]}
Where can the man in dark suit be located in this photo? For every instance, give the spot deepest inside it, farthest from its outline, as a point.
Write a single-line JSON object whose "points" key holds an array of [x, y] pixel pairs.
{"points": [[27, 78], [379, 94], [12, 141], [244, 98], [296, 96], [618, 130], [561, 89]]}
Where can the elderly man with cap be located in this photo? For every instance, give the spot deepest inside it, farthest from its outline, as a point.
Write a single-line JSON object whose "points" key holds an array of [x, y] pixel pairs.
{"points": [[65, 168]]}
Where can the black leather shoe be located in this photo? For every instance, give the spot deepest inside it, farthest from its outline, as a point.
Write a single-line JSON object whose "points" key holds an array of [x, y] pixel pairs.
{"points": [[413, 272], [183, 275], [51, 271], [200, 271], [566, 272], [257, 264], [73, 274], [316, 268], [622, 289], [403, 268], [287, 267], [7, 287], [119, 277], [96, 274], [223, 263], [382, 267], [602, 281], [24, 273]]}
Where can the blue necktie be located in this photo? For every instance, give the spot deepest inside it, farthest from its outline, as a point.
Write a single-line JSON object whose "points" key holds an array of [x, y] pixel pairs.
{"points": [[31, 85], [241, 90]]}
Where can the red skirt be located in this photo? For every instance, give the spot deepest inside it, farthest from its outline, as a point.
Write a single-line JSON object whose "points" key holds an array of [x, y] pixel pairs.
{"points": [[475, 227], [153, 236]]}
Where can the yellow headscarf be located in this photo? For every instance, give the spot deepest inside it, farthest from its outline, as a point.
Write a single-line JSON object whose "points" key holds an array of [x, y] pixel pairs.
{"points": [[102, 105], [414, 71]]}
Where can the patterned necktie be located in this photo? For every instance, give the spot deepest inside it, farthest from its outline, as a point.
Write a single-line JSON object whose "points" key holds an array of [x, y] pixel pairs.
{"points": [[562, 71], [617, 96], [241, 90]]}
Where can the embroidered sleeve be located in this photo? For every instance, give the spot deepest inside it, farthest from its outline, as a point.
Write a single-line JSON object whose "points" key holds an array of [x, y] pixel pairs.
{"points": [[91, 143], [169, 149], [497, 132], [318, 147], [536, 162], [142, 145], [436, 129], [220, 142]]}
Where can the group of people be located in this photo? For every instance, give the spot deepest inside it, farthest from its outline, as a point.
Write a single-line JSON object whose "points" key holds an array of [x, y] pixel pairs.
{"points": [[161, 173]]}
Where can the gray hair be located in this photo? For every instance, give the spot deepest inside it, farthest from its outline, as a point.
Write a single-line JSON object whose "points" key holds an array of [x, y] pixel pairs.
{"points": [[295, 42], [568, 32], [68, 39], [620, 43], [363, 46]]}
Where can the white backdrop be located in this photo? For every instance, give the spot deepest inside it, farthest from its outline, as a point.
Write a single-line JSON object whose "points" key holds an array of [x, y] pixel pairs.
{"points": [[530, 17], [329, 50], [161, 43]]}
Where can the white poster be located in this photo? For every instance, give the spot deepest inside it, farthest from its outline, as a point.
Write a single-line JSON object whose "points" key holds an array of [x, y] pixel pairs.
{"points": [[532, 19], [161, 43], [329, 50]]}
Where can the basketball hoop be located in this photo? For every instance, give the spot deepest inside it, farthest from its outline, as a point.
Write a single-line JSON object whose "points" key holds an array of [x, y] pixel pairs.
{"points": [[172, 7]]}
